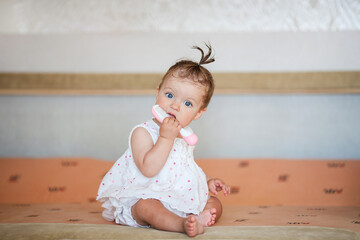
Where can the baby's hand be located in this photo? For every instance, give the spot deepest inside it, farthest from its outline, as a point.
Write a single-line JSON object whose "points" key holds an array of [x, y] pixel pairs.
{"points": [[216, 185], [170, 128]]}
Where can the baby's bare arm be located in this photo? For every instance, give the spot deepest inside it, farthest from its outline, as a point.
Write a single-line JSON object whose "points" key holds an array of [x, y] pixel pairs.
{"points": [[150, 158]]}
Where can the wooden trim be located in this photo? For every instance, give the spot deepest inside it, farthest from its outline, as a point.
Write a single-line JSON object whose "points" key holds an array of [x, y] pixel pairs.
{"points": [[139, 84]]}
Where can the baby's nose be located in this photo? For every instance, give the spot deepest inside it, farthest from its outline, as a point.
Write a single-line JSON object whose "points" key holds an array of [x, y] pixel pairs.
{"points": [[175, 105]]}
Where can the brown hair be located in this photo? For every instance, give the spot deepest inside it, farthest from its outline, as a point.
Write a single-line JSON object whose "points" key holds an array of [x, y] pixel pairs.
{"points": [[195, 72]]}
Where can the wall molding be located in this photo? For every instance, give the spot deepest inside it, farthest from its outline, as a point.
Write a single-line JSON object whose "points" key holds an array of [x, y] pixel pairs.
{"points": [[139, 84]]}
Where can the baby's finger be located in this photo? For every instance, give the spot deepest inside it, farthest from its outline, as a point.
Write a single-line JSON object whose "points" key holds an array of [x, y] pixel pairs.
{"points": [[173, 121], [179, 126], [214, 192], [219, 184], [228, 190], [225, 190], [170, 119]]}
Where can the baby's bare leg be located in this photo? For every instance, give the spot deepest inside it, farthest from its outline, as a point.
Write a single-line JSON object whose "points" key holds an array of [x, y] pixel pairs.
{"points": [[211, 212], [152, 212]]}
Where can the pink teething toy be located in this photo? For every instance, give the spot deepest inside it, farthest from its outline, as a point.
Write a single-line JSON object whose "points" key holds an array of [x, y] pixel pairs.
{"points": [[186, 132]]}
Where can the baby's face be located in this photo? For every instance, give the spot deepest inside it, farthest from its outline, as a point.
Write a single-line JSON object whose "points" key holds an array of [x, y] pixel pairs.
{"points": [[182, 99]]}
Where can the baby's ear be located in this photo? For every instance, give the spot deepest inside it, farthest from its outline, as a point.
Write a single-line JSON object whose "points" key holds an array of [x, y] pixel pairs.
{"points": [[200, 113]]}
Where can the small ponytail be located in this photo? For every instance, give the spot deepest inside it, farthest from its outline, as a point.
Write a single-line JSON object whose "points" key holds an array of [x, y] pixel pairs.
{"points": [[205, 59]]}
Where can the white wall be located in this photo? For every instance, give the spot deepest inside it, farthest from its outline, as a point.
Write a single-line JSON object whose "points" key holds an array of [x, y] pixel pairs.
{"points": [[156, 52], [184, 16]]}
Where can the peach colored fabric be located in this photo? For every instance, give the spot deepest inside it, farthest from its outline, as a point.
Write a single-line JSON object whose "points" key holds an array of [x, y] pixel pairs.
{"points": [[50, 180], [288, 182], [253, 182]]}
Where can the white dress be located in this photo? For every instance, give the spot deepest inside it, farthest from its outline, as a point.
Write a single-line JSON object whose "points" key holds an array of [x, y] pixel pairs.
{"points": [[180, 185]]}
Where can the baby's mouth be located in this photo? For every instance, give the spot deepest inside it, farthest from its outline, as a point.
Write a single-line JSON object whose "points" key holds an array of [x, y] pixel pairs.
{"points": [[172, 115]]}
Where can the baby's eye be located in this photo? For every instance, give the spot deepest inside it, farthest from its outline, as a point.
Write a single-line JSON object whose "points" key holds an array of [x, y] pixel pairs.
{"points": [[188, 104], [169, 95]]}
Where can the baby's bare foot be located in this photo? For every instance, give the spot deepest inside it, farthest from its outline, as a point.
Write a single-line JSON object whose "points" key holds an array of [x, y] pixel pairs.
{"points": [[207, 217], [192, 227]]}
